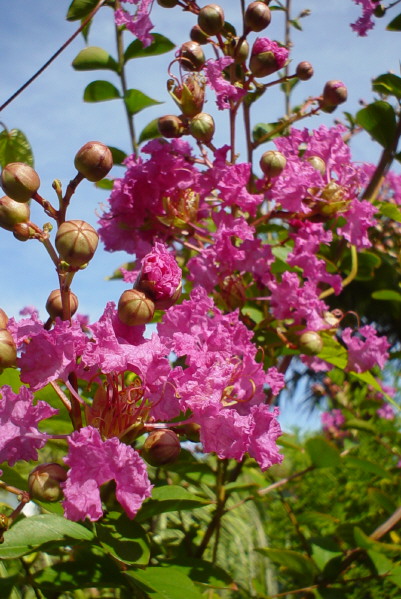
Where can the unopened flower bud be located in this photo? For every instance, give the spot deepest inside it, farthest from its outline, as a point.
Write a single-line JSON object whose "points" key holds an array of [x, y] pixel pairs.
{"points": [[12, 213], [192, 57], [135, 308], [202, 127], [257, 16], [8, 350], [167, 3], [272, 163], [161, 447], [20, 181], [170, 126], [165, 304], [310, 343], [197, 35], [54, 305], [5, 523], [334, 93], [267, 57], [3, 319], [190, 95], [317, 163], [304, 70], [191, 431], [379, 11], [237, 49], [45, 480], [22, 231], [211, 19], [76, 242], [94, 160]]}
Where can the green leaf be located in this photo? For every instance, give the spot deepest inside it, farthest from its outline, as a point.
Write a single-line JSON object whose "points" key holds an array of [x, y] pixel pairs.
{"points": [[384, 500], [15, 147], [160, 45], [322, 453], [10, 376], [301, 566], [390, 211], [163, 583], [105, 184], [333, 352], [379, 120], [100, 91], [395, 24], [93, 58], [169, 498], [366, 466], [29, 534], [388, 295], [201, 571], [388, 84], [254, 313], [150, 131], [360, 425], [295, 23], [136, 101], [261, 132], [88, 569], [124, 539], [368, 543], [118, 155], [80, 9]]}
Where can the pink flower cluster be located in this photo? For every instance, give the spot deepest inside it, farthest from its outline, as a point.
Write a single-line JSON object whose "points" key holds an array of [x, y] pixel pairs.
{"points": [[365, 22]]}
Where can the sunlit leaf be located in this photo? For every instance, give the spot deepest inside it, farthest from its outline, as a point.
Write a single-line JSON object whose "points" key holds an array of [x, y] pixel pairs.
{"points": [[160, 45], [80, 9], [379, 120], [124, 539], [100, 91], [322, 453], [15, 147], [135, 100], [93, 58], [163, 583], [150, 131]]}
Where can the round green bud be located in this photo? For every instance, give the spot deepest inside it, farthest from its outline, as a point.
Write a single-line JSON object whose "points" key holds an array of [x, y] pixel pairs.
{"points": [[54, 305], [170, 126], [20, 181], [192, 57], [237, 49], [202, 127], [76, 242], [310, 343], [44, 482], [94, 160], [135, 308], [334, 93], [197, 35], [161, 447], [8, 350], [317, 163], [272, 163], [211, 19], [13, 213], [257, 17]]}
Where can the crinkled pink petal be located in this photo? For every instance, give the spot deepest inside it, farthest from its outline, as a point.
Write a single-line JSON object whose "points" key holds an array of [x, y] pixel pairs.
{"points": [[365, 22], [225, 91], [366, 350], [94, 462], [20, 438]]}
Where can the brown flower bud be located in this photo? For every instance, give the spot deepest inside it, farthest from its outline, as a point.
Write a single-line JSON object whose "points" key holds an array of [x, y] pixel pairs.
{"points": [[8, 350], [257, 16], [161, 447], [304, 70], [211, 19], [237, 49], [202, 127], [310, 343], [22, 231], [167, 3], [3, 319], [44, 482], [76, 242], [170, 126], [12, 213], [192, 57], [54, 304], [334, 93], [165, 304], [272, 163], [94, 160], [20, 181], [197, 35], [135, 308]]}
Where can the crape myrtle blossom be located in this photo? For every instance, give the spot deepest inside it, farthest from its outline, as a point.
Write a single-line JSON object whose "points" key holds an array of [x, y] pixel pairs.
{"points": [[160, 274], [139, 24], [20, 438], [386, 411], [365, 348], [225, 91], [332, 421], [365, 22], [93, 462]]}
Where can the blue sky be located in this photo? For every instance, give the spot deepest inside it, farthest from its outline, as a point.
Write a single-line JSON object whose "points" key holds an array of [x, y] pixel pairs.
{"points": [[57, 122]]}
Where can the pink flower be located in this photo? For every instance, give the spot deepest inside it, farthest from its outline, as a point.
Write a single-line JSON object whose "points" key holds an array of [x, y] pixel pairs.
{"points": [[358, 220], [332, 421], [139, 24], [264, 44], [386, 412], [225, 91], [160, 274], [365, 350], [365, 22], [20, 438], [94, 462]]}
